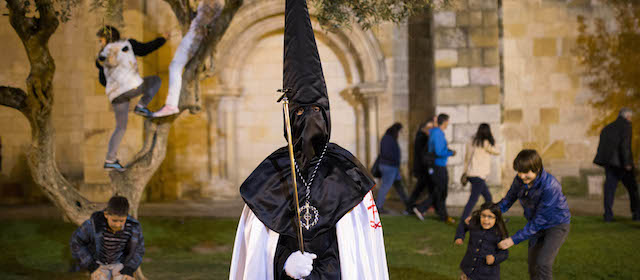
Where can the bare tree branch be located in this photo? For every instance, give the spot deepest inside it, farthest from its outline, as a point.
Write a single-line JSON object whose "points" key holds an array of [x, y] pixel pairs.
{"points": [[18, 19], [13, 97], [181, 10]]}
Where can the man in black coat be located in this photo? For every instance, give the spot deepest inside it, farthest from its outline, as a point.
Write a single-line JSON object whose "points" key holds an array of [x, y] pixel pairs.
{"points": [[614, 154]]}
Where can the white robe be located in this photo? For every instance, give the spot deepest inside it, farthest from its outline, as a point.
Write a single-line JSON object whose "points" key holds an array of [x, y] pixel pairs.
{"points": [[360, 246]]}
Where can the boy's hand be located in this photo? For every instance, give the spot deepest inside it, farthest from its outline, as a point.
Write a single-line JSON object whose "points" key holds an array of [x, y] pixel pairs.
{"points": [[463, 276], [490, 259], [467, 220], [98, 275], [458, 241], [166, 35], [127, 277], [505, 244]]}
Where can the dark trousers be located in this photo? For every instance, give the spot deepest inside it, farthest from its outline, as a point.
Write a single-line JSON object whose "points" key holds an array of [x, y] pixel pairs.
{"points": [[613, 176], [440, 180], [543, 249], [478, 187], [424, 182]]}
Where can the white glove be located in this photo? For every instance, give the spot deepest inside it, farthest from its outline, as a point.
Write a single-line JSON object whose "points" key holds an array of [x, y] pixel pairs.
{"points": [[299, 265]]}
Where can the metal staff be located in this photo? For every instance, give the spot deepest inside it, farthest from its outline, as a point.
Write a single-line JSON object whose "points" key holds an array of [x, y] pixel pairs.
{"points": [[285, 105]]}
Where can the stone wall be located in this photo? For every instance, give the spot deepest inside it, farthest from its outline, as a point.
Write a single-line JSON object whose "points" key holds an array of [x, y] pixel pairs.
{"points": [[545, 99], [468, 82]]}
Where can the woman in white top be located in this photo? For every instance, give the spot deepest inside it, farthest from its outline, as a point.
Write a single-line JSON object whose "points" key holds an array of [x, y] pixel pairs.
{"points": [[477, 166]]}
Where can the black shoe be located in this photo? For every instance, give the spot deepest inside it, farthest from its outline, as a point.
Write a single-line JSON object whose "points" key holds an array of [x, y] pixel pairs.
{"points": [[143, 111], [608, 220], [113, 165]]}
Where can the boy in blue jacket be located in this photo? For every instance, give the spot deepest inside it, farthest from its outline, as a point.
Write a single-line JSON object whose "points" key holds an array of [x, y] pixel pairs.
{"points": [[546, 210], [109, 244]]}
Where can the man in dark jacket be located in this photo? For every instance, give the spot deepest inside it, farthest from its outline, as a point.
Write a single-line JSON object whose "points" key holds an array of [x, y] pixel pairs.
{"points": [[614, 154], [109, 244], [420, 169]]}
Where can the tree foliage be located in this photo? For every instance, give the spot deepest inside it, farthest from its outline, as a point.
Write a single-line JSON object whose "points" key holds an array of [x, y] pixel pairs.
{"points": [[608, 52]]}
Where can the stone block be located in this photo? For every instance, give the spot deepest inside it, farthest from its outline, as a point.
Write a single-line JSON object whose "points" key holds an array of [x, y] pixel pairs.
{"points": [[475, 18], [491, 95], [443, 77], [483, 4], [490, 57], [462, 133], [564, 65], [540, 133], [490, 18], [450, 38], [544, 47], [484, 113], [459, 77], [515, 30], [448, 134], [484, 37], [446, 58], [457, 197], [470, 57], [457, 114], [458, 158], [444, 18], [513, 116], [595, 184], [549, 116], [458, 96], [485, 76], [560, 82], [555, 151], [462, 19]]}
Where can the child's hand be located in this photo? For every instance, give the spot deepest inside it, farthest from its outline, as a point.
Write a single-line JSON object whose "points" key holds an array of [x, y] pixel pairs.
{"points": [[467, 220], [505, 244], [458, 241], [463, 276], [490, 259], [127, 277]]}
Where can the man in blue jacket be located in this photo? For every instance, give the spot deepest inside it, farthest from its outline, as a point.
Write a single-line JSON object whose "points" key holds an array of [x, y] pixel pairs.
{"points": [[109, 244], [438, 145], [546, 210]]}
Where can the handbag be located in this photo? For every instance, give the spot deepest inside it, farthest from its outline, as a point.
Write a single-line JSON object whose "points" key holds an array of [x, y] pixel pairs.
{"points": [[375, 169], [464, 179]]}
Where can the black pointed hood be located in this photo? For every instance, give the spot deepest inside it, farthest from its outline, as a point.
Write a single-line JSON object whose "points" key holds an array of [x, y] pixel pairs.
{"points": [[304, 83]]}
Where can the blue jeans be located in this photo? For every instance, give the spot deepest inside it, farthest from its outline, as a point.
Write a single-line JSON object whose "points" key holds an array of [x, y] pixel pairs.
{"points": [[390, 174], [478, 187]]}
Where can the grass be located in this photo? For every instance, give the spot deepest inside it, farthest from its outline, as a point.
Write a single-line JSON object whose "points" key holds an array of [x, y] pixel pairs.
{"points": [[200, 248]]}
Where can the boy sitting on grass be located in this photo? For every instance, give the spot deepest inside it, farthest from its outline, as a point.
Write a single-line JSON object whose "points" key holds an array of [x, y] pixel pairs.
{"points": [[110, 243]]}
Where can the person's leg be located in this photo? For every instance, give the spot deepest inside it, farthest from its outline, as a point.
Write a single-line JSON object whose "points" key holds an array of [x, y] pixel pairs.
{"points": [[629, 182], [115, 271], [535, 244], [150, 87], [484, 190], [440, 179], [400, 189], [476, 188], [121, 111], [553, 240], [610, 185], [419, 188], [389, 174]]}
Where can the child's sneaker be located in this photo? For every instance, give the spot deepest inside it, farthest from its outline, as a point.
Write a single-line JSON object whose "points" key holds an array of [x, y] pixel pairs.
{"points": [[113, 165], [143, 111], [166, 110]]}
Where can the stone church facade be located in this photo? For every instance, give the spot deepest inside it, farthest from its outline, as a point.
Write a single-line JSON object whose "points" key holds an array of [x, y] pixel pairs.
{"points": [[508, 63]]}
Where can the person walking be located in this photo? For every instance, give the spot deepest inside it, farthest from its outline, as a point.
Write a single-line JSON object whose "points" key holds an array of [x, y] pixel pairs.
{"points": [[438, 145], [477, 166], [614, 154], [422, 163], [390, 167]]}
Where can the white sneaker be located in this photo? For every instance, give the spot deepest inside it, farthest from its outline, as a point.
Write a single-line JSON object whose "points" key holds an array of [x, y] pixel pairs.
{"points": [[418, 214], [166, 110]]}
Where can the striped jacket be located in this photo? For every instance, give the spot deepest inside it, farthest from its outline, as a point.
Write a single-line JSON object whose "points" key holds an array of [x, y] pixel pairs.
{"points": [[86, 243]]}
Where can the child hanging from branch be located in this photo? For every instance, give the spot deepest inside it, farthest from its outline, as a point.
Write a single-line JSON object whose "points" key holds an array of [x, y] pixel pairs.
{"points": [[207, 12], [118, 70]]}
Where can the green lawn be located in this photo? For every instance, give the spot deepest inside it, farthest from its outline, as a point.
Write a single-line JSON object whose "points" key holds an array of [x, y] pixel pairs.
{"points": [[200, 248]]}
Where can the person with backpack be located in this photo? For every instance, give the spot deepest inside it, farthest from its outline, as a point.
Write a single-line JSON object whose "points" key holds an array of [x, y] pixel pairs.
{"points": [[422, 163]]}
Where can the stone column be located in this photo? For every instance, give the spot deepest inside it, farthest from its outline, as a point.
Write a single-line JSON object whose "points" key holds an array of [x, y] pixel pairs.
{"points": [[364, 99], [221, 107]]}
